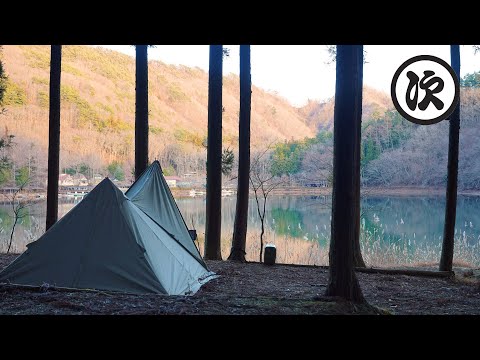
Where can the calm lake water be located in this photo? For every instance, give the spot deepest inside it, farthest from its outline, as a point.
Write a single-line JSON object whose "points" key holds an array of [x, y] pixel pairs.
{"points": [[395, 230]]}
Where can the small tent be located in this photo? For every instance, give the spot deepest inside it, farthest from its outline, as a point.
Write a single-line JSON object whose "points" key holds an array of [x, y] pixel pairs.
{"points": [[153, 196], [108, 243]]}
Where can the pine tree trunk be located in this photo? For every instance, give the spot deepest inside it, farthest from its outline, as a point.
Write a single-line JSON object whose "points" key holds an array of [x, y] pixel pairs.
{"points": [[213, 224], [54, 136], [446, 259], [241, 212], [342, 279], [357, 252], [141, 109]]}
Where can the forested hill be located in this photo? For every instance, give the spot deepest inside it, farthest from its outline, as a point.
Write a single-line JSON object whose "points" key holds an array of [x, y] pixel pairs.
{"points": [[98, 111], [319, 115], [98, 105]]}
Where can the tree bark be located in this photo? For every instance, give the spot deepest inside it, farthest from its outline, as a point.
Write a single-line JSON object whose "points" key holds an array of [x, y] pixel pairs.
{"points": [[241, 212], [357, 252], [141, 109], [342, 278], [446, 259], [54, 136], [213, 224]]}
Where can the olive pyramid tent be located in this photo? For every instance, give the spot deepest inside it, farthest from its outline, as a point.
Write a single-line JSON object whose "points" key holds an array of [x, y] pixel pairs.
{"points": [[108, 243], [153, 196]]}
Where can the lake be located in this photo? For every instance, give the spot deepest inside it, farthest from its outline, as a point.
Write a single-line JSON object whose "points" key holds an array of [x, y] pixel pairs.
{"points": [[394, 230]]}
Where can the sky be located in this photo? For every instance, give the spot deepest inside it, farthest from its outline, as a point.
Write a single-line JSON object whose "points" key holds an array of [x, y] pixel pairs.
{"points": [[301, 72]]}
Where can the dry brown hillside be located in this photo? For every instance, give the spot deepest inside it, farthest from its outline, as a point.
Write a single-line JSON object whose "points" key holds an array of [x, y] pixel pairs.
{"points": [[98, 97], [319, 116]]}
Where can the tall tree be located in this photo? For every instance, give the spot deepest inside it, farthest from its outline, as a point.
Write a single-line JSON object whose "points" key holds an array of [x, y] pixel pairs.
{"points": [[357, 252], [241, 212], [54, 135], [342, 279], [213, 224], [141, 109], [446, 259]]}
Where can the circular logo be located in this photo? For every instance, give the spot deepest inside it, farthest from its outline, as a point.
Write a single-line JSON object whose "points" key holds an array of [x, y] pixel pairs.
{"points": [[425, 90]]}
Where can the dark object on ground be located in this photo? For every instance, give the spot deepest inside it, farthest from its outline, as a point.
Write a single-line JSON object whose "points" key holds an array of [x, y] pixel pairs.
{"points": [[193, 234], [270, 254]]}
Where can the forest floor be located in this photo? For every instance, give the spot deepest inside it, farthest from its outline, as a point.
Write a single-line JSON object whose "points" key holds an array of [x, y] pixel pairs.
{"points": [[252, 288]]}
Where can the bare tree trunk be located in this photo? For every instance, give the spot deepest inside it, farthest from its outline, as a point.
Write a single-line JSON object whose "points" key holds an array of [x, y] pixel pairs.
{"points": [[263, 223], [261, 240], [213, 225], [342, 279], [357, 252], [446, 259], [11, 234], [261, 220], [54, 136], [241, 212], [141, 109]]}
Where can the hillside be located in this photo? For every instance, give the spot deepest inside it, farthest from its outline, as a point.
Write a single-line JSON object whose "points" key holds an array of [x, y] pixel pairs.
{"points": [[319, 115], [98, 95], [98, 112], [98, 104]]}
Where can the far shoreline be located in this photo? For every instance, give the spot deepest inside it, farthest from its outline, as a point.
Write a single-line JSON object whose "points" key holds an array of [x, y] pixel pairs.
{"points": [[400, 191]]}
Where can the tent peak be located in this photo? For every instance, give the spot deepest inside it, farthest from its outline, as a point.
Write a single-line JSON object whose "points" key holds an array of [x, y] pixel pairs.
{"points": [[106, 185], [106, 182]]}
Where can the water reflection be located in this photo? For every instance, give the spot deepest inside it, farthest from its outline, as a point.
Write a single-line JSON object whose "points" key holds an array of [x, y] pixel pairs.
{"points": [[394, 229]]}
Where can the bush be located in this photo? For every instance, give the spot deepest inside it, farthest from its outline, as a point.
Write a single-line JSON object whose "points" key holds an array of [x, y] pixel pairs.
{"points": [[471, 80], [67, 68], [14, 94], [5, 163], [176, 94], [112, 124], [188, 137], [287, 157], [113, 65], [104, 107], [22, 176], [168, 171], [5, 175], [40, 81], [155, 130], [43, 100], [86, 113], [115, 171], [84, 169], [3, 83], [38, 56], [70, 171]]}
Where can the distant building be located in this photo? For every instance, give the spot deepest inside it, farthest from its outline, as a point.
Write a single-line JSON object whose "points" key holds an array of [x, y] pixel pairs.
{"points": [[65, 180], [172, 181], [80, 180], [184, 184], [317, 183], [97, 178]]}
